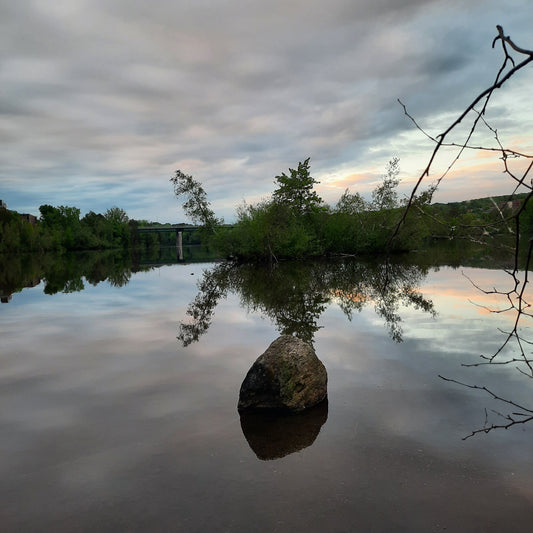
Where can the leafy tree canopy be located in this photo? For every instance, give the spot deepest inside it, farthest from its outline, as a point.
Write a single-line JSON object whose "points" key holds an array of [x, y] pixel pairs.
{"points": [[59, 216], [196, 205], [385, 195], [296, 190], [116, 215], [351, 204]]}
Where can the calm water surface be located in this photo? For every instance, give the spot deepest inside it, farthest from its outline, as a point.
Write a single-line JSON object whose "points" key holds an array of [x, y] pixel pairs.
{"points": [[109, 423]]}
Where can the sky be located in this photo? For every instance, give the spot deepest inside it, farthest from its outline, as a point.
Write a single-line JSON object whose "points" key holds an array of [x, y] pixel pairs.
{"points": [[102, 101]]}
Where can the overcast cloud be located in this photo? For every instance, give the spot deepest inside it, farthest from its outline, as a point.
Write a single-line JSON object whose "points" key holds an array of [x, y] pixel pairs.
{"points": [[101, 101]]}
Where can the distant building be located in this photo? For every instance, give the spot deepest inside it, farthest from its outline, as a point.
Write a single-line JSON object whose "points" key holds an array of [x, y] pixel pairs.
{"points": [[3, 205], [513, 204], [32, 219], [6, 295]]}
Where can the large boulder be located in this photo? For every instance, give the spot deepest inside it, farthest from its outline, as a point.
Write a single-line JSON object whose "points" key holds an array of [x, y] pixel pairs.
{"points": [[287, 376]]}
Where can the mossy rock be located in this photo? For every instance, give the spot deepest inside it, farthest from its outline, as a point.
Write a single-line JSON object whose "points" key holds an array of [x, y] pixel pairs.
{"points": [[288, 375]]}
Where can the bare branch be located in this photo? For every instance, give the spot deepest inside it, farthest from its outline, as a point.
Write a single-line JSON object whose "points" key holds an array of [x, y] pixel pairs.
{"points": [[512, 418], [514, 300], [484, 97]]}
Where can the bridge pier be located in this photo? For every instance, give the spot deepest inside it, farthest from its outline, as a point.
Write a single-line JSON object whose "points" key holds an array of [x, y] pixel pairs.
{"points": [[179, 244]]}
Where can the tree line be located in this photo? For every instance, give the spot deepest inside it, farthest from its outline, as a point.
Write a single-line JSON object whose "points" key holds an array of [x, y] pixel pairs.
{"points": [[295, 222], [61, 228]]}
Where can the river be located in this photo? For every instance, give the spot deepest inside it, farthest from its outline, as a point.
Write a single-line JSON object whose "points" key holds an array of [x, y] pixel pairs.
{"points": [[119, 389]]}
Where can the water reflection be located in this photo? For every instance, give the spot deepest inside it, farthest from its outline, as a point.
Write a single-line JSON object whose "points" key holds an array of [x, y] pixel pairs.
{"points": [[108, 425], [295, 294], [69, 272], [507, 297], [65, 272], [273, 435]]}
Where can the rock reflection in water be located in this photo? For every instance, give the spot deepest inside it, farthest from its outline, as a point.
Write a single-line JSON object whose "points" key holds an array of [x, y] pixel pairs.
{"points": [[275, 434]]}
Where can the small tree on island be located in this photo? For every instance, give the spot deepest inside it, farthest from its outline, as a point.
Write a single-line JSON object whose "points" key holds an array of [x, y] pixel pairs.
{"points": [[296, 190], [196, 206], [385, 195]]}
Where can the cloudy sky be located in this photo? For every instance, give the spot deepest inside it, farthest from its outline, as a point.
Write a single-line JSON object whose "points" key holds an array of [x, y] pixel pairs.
{"points": [[101, 101]]}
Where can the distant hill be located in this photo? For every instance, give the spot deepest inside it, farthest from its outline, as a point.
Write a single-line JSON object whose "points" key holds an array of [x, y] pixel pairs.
{"points": [[480, 206]]}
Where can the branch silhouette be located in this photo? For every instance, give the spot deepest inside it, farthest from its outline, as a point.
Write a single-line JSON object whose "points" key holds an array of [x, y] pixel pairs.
{"points": [[511, 419], [515, 58], [514, 298]]}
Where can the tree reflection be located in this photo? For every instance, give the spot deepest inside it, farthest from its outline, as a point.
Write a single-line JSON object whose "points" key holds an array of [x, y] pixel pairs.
{"points": [[295, 294], [65, 273]]}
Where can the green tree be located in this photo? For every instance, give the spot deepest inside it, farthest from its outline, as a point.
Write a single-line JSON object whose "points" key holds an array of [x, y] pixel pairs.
{"points": [[116, 215], [9, 230], [50, 216], [94, 231], [385, 195], [61, 225], [351, 204], [266, 231], [117, 220], [196, 205], [296, 190]]}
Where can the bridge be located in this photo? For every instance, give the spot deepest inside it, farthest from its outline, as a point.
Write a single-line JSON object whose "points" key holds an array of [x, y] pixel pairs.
{"points": [[178, 229], [175, 228]]}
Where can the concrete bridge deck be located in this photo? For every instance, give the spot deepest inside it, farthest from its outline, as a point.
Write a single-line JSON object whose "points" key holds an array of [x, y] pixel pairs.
{"points": [[167, 229]]}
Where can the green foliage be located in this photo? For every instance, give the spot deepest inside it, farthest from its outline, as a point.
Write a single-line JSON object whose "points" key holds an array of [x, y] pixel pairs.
{"points": [[526, 222], [60, 229], [358, 226], [116, 215], [483, 220], [16, 233], [266, 231], [296, 223], [196, 205], [118, 220], [351, 204], [282, 227], [385, 196], [296, 190]]}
